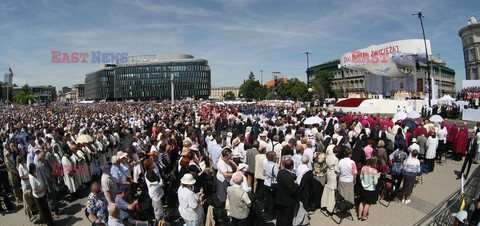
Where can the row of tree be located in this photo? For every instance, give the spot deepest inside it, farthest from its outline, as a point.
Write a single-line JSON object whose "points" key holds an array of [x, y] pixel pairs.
{"points": [[293, 89], [25, 96]]}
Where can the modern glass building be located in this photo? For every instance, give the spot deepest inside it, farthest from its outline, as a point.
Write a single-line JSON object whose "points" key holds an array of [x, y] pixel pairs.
{"points": [[148, 77], [99, 85]]}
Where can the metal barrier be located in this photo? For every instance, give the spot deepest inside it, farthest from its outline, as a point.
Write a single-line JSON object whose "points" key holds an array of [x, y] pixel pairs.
{"points": [[442, 213]]}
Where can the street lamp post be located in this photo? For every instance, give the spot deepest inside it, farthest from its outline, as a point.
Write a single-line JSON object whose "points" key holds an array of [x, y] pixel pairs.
{"points": [[420, 15], [261, 76], [308, 79], [172, 89]]}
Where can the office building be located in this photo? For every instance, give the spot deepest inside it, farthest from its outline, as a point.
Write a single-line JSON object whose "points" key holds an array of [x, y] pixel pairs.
{"points": [[7, 79], [217, 93], [76, 94], [44, 93], [470, 36], [148, 77]]}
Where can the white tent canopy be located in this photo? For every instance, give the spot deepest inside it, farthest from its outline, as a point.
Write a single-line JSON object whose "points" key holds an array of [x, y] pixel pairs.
{"points": [[446, 99]]}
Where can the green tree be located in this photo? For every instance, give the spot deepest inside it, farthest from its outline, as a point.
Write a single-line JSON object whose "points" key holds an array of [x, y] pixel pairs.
{"points": [[297, 90], [252, 89], [322, 85], [229, 95], [251, 76], [293, 89], [25, 96]]}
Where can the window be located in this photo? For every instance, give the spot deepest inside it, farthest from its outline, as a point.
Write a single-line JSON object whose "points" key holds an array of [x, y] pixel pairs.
{"points": [[473, 54], [475, 73]]}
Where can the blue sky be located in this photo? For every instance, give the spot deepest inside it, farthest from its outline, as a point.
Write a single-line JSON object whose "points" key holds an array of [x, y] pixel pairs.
{"points": [[236, 36]]}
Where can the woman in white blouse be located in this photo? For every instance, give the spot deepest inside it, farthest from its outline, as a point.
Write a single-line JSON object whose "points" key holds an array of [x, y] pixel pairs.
{"points": [[226, 168], [39, 193]]}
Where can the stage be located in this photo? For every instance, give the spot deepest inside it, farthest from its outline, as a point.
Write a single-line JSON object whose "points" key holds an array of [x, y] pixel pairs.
{"points": [[376, 106]]}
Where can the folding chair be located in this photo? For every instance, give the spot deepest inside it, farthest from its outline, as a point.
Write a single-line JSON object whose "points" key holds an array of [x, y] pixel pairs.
{"points": [[342, 208], [419, 179], [386, 193]]}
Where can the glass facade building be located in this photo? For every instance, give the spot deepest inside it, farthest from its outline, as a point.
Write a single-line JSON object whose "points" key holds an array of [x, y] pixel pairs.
{"points": [[148, 77], [99, 84]]}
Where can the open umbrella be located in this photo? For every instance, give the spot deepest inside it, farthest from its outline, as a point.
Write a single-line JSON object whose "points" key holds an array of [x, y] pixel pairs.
{"points": [[84, 138], [300, 110], [436, 118], [313, 120], [400, 115], [339, 114], [414, 114], [410, 123]]}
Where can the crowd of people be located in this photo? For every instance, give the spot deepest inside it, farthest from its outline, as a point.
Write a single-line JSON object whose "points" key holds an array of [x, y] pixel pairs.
{"points": [[156, 162], [451, 111], [471, 95]]}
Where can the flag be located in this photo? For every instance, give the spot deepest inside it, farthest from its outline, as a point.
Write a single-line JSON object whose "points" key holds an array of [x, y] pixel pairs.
{"points": [[462, 203], [10, 70], [462, 199]]}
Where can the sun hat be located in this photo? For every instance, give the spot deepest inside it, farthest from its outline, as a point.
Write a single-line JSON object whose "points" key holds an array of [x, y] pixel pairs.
{"points": [[121, 155], [461, 216], [188, 179]]}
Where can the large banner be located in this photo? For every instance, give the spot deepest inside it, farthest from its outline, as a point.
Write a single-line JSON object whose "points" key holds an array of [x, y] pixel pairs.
{"points": [[385, 58]]}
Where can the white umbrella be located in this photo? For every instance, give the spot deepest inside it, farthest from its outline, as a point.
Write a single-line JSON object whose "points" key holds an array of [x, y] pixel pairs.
{"points": [[414, 114], [400, 115], [436, 118], [313, 120], [300, 110]]}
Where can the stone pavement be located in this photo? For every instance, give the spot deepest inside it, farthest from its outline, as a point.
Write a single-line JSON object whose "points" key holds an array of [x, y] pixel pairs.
{"points": [[436, 187]]}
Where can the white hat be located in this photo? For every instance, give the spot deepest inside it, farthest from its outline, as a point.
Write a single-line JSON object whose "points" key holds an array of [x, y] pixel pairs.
{"points": [[188, 179], [264, 134], [414, 140], [121, 155], [461, 216]]}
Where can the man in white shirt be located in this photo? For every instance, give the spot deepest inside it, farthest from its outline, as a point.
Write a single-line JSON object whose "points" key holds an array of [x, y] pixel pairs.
{"points": [[263, 139], [270, 169], [39, 193], [259, 175], [275, 146], [347, 178], [216, 151], [297, 157], [190, 204]]}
